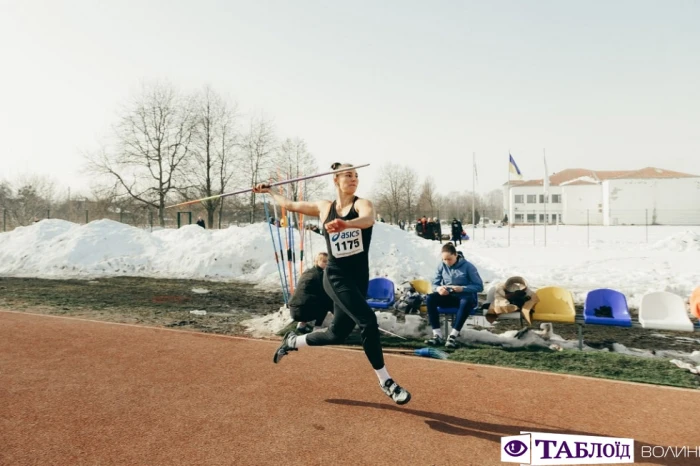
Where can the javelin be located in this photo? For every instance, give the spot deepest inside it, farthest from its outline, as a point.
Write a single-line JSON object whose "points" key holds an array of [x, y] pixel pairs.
{"points": [[302, 178], [392, 334]]}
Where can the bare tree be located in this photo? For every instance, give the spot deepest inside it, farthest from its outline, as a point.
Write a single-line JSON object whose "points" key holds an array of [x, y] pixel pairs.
{"points": [[293, 160], [409, 191], [153, 140], [426, 200], [257, 147], [493, 204], [5, 194], [388, 191], [33, 196], [439, 205], [211, 168]]}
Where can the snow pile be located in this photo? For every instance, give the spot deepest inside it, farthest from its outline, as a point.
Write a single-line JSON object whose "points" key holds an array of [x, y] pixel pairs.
{"points": [[618, 257], [684, 241], [60, 249], [268, 325]]}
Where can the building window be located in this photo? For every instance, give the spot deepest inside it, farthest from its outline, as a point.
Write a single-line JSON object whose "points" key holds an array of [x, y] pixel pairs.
{"points": [[556, 198], [518, 218], [542, 218], [519, 199], [541, 198], [531, 218], [532, 198]]}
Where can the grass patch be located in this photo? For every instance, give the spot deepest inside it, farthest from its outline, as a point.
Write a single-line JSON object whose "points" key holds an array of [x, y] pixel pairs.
{"points": [[592, 364], [600, 364]]}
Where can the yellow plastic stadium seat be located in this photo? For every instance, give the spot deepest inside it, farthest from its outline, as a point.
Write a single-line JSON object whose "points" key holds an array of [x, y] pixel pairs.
{"points": [[556, 305], [423, 287]]}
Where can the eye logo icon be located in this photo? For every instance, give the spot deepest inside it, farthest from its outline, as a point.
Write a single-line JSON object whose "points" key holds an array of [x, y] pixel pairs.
{"points": [[515, 448]]}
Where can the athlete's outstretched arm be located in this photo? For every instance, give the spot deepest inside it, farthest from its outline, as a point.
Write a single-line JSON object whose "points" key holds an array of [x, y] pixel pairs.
{"points": [[312, 209], [365, 209]]}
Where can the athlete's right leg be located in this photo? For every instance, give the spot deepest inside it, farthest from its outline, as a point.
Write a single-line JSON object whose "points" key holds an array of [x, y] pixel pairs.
{"points": [[336, 333]]}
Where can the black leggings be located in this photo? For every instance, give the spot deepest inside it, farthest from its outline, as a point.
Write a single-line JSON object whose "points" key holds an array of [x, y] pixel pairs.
{"points": [[350, 308]]}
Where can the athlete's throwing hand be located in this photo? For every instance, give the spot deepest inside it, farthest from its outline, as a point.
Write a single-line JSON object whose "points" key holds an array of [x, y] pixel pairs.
{"points": [[261, 188], [336, 225]]}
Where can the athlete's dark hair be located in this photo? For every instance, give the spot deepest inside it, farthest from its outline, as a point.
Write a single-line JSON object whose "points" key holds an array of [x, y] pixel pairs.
{"points": [[449, 247]]}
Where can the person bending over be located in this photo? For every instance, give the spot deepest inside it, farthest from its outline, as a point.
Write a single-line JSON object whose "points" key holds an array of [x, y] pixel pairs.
{"points": [[310, 303]]}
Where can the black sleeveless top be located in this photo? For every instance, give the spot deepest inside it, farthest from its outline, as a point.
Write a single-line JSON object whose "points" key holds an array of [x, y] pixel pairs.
{"points": [[348, 250]]}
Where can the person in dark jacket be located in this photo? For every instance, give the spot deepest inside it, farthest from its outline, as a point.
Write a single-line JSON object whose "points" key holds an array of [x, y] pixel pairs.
{"points": [[437, 229], [429, 229], [310, 303], [456, 230], [419, 228], [456, 284], [200, 222]]}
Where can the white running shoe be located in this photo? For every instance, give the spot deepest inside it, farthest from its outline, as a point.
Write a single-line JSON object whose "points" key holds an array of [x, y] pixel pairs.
{"points": [[288, 344], [395, 392]]}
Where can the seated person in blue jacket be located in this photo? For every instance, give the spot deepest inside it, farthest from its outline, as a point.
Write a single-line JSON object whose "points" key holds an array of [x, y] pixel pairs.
{"points": [[310, 302], [456, 284]]}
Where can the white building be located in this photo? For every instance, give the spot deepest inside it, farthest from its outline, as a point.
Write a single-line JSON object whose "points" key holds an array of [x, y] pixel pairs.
{"points": [[579, 196]]}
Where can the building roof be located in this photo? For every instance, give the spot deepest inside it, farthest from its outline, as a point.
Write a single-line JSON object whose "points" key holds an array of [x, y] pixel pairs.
{"points": [[584, 176]]}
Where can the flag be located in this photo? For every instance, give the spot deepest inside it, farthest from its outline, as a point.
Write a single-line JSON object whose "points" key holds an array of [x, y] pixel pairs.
{"points": [[476, 175], [513, 169], [546, 177]]}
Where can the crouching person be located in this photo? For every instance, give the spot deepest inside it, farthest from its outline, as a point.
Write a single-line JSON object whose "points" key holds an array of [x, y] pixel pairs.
{"points": [[456, 284], [512, 296], [310, 304]]}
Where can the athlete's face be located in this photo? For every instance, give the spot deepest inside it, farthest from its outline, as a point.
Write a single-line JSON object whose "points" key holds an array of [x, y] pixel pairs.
{"points": [[449, 259], [322, 261], [347, 181]]}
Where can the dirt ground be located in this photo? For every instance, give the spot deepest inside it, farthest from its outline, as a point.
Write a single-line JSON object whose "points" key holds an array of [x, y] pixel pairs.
{"points": [[167, 303], [146, 301], [90, 393]]}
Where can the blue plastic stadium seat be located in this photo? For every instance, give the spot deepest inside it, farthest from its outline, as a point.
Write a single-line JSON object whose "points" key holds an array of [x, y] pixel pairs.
{"points": [[380, 293], [617, 313]]}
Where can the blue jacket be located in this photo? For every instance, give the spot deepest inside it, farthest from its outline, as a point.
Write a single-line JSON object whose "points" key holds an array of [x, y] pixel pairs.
{"points": [[462, 273]]}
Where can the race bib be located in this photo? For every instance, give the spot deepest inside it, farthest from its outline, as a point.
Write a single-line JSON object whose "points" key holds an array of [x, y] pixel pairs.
{"points": [[346, 243]]}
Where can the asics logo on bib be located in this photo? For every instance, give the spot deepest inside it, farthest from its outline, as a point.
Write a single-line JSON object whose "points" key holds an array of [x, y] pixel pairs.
{"points": [[345, 235]]}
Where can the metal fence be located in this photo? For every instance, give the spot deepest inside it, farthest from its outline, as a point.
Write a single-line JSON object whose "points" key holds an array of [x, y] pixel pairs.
{"points": [[142, 218], [590, 227]]}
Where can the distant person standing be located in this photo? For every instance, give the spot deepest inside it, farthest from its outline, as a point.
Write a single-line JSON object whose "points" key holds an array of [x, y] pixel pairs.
{"points": [[438, 229], [456, 227], [200, 222], [419, 228], [430, 230]]}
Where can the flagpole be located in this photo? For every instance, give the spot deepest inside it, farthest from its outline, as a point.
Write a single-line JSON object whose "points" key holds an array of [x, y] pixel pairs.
{"points": [[510, 203], [473, 196], [545, 183]]}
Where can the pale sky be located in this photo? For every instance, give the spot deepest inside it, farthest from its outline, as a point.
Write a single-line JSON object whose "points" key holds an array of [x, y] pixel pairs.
{"points": [[598, 84]]}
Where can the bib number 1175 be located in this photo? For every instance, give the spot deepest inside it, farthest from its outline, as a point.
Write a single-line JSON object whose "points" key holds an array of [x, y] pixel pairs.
{"points": [[347, 243]]}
